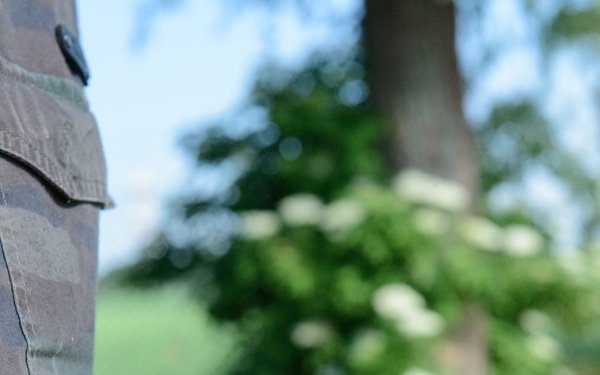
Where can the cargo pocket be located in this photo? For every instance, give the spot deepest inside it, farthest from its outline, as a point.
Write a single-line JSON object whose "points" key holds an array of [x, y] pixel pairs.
{"points": [[50, 253]]}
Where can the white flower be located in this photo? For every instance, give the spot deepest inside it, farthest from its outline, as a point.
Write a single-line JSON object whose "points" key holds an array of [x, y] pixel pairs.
{"points": [[393, 301], [421, 323], [481, 233], [343, 215], [419, 187], [431, 222], [543, 347], [417, 371], [311, 334], [256, 225], [534, 321], [405, 306], [301, 209], [521, 241]]}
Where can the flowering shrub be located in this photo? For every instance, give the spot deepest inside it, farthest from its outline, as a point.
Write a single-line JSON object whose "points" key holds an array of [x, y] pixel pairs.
{"points": [[374, 282]]}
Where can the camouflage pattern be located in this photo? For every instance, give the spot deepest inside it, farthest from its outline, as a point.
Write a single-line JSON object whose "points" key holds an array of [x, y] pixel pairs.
{"points": [[52, 185], [47, 277], [44, 117]]}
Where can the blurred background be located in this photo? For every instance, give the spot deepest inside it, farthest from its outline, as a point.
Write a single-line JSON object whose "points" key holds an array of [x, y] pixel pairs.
{"points": [[347, 186]]}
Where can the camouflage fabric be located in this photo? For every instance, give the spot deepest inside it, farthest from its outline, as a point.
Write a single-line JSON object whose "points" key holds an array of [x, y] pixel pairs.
{"points": [[44, 117], [47, 278], [52, 185]]}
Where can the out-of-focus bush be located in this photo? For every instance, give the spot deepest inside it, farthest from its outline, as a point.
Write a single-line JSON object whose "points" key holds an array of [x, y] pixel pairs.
{"points": [[374, 281]]}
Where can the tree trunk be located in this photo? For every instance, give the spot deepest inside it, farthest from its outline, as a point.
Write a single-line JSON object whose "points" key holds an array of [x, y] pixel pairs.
{"points": [[415, 83]]}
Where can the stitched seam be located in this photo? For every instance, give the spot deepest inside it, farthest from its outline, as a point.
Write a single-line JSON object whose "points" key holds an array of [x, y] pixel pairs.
{"points": [[14, 293], [30, 364], [46, 158]]}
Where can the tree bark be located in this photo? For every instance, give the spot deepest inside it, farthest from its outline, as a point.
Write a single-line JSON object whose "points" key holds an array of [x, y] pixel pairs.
{"points": [[416, 85]]}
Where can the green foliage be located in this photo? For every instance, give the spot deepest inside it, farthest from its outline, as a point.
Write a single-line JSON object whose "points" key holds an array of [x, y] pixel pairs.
{"points": [[572, 23], [374, 281], [313, 140], [516, 140]]}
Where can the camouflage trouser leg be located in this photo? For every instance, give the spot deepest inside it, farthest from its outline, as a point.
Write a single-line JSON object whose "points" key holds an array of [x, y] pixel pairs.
{"points": [[47, 278]]}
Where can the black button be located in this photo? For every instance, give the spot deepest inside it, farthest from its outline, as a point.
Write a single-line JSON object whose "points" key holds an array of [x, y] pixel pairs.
{"points": [[71, 49]]}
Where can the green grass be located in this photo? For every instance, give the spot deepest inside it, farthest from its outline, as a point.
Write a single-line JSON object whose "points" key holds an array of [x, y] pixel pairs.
{"points": [[158, 332]]}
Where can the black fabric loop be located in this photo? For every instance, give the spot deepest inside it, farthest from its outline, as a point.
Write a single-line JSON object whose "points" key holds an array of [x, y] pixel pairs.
{"points": [[71, 49]]}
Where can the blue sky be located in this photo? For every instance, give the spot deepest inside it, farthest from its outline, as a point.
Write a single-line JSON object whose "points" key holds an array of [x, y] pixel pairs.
{"points": [[188, 70]]}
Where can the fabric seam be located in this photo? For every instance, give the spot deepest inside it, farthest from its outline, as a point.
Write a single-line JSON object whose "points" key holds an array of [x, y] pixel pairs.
{"points": [[46, 158], [28, 354], [27, 154]]}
